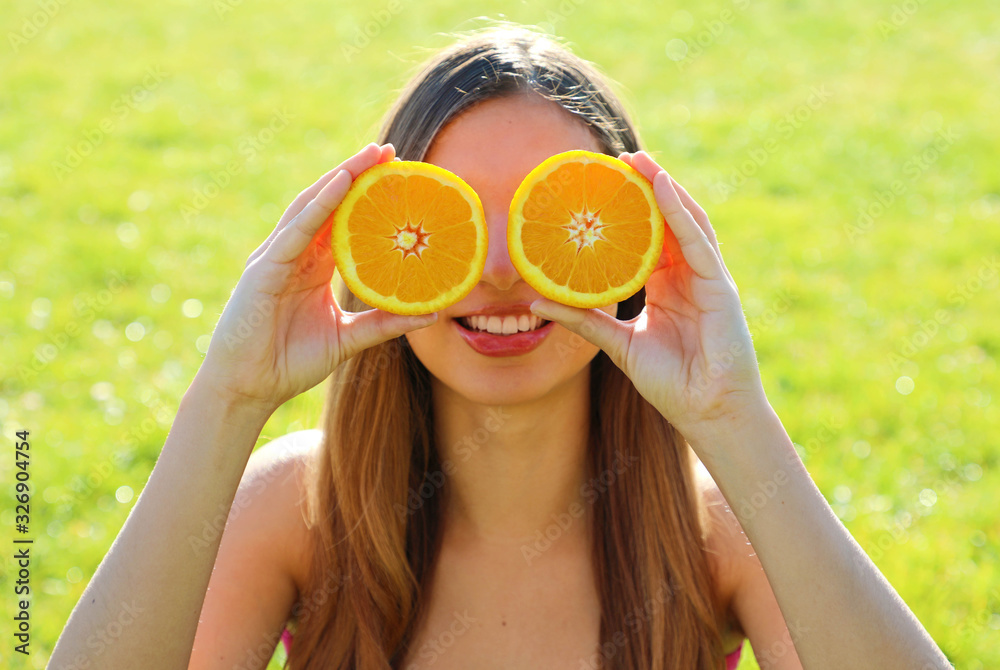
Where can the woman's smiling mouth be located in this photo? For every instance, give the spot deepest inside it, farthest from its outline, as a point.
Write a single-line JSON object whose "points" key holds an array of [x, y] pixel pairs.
{"points": [[502, 330], [502, 325]]}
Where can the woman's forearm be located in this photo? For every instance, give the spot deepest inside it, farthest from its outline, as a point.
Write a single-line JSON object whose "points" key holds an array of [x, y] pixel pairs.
{"points": [[141, 608], [840, 610]]}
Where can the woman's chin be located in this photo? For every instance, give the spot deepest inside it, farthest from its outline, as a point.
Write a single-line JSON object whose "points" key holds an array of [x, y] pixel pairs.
{"points": [[510, 379], [494, 386]]}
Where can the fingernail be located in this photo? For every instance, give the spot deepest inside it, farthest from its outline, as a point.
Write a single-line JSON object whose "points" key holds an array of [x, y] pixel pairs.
{"points": [[538, 309]]}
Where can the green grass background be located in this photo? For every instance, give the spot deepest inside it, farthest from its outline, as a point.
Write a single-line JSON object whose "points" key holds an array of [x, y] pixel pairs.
{"points": [[898, 429]]}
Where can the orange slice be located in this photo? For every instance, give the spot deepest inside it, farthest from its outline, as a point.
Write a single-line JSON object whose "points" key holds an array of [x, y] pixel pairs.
{"points": [[409, 237], [584, 229]]}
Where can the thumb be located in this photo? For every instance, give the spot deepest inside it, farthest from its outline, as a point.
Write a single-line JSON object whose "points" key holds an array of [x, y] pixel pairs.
{"points": [[361, 330], [594, 325]]}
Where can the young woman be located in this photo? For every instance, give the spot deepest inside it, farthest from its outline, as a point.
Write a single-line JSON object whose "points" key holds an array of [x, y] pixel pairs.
{"points": [[583, 495]]}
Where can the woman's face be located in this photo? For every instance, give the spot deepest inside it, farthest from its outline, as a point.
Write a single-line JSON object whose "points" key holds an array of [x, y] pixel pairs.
{"points": [[493, 146]]}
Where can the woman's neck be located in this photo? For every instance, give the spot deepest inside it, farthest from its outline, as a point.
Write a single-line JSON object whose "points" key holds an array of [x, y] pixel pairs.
{"points": [[515, 470]]}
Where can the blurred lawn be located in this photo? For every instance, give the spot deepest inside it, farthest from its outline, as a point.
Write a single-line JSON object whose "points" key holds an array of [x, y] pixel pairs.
{"points": [[848, 160]]}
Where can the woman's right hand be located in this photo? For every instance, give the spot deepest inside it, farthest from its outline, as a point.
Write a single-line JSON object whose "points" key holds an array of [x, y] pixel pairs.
{"points": [[282, 331]]}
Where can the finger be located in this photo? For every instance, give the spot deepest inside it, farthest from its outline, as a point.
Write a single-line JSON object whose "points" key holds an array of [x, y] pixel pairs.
{"points": [[643, 162], [677, 214], [702, 218], [292, 240], [695, 245], [356, 164], [388, 153], [361, 330], [594, 325], [696, 211]]}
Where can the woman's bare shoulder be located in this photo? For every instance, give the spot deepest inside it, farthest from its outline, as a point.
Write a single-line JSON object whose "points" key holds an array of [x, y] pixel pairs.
{"points": [[296, 446], [726, 544], [284, 465]]}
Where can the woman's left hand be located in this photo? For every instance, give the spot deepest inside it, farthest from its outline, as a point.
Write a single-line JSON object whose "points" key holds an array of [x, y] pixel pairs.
{"points": [[689, 351]]}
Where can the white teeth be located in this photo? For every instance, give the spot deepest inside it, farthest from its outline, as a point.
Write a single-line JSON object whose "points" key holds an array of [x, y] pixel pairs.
{"points": [[502, 325]]}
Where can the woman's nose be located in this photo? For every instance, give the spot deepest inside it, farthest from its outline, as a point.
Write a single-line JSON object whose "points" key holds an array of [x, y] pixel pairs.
{"points": [[499, 271]]}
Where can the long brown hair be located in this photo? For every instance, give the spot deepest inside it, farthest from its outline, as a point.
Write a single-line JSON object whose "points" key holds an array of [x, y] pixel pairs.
{"points": [[373, 551]]}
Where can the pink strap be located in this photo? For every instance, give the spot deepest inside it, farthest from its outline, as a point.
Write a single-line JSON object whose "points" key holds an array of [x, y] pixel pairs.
{"points": [[733, 659]]}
